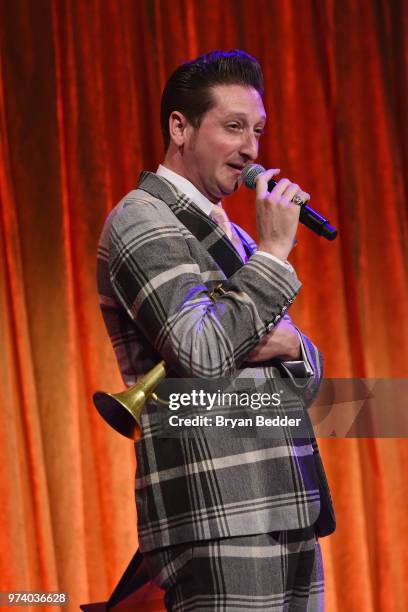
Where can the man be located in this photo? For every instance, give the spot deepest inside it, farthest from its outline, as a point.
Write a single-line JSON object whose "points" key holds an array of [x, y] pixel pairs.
{"points": [[224, 524]]}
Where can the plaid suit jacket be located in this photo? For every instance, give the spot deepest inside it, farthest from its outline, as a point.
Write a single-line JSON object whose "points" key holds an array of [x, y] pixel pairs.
{"points": [[159, 258]]}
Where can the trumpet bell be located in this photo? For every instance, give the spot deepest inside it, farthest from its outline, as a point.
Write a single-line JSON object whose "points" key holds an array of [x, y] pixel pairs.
{"points": [[122, 410], [123, 417]]}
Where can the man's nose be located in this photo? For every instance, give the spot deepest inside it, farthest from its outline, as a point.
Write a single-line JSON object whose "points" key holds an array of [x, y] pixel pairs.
{"points": [[250, 145]]}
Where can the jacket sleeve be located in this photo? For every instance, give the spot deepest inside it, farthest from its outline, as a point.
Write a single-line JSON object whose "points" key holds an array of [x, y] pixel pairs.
{"points": [[305, 374], [166, 293]]}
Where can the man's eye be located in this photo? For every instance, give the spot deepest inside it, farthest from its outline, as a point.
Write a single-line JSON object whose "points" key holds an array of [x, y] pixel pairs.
{"points": [[259, 131], [234, 126]]}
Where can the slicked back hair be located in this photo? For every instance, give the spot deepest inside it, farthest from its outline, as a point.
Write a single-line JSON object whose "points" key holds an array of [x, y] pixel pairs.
{"points": [[188, 90]]}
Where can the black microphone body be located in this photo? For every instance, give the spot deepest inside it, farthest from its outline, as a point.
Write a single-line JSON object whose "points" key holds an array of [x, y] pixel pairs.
{"points": [[308, 217]]}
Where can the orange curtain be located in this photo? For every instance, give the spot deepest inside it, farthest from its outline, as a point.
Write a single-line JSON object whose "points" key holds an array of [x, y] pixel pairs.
{"points": [[80, 85]]}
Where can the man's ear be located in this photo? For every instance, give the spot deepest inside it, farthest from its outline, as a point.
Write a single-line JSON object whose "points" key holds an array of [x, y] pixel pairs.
{"points": [[178, 128]]}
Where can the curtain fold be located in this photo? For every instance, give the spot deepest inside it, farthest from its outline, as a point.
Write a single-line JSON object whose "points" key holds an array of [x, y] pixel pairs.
{"points": [[80, 86]]}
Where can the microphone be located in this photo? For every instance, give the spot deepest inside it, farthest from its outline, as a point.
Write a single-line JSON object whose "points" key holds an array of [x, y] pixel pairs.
{"points": [[309, 217]]}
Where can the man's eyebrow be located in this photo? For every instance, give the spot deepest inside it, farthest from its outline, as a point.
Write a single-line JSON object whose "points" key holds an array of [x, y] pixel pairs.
{"points": [[244, 116]]}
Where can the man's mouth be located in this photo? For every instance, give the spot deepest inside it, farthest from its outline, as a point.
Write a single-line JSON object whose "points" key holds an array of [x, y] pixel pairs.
{"points": [[237, 167]]}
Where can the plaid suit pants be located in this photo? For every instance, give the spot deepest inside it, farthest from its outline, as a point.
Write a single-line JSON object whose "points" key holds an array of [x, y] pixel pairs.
{"points": [[279, 571]]}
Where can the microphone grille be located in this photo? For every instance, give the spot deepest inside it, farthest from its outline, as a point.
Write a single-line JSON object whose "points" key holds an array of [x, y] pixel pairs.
{"points": [[249, 174]]}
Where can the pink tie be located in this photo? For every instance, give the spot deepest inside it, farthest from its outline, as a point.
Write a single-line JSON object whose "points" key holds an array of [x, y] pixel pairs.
{"points": [[219, 215]]}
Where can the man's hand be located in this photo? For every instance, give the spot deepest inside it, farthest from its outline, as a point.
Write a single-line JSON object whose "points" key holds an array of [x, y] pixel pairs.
{"points": [[282, 342], [277, 217]]}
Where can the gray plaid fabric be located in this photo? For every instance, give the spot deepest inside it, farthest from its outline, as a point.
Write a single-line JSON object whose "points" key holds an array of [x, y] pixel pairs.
{"points": [[159, 259], [280, 571]]}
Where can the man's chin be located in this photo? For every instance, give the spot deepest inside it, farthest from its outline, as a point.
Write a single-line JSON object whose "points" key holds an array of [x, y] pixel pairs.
{"points": [[238, 183], [230, 187]]}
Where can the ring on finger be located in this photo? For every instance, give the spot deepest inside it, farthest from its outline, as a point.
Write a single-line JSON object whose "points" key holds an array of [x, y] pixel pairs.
{"points": [[298, 200]]}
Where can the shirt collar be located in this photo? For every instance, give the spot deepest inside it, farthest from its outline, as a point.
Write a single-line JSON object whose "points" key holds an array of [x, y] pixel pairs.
{"points": [[183, 185]]}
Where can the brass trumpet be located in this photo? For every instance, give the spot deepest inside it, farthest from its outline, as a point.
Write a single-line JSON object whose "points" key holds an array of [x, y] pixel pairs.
{"points": [[122, 410]]}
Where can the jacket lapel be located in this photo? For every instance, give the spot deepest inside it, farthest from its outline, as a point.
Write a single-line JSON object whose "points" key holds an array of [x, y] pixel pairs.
{"points": [[211, 236]]}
